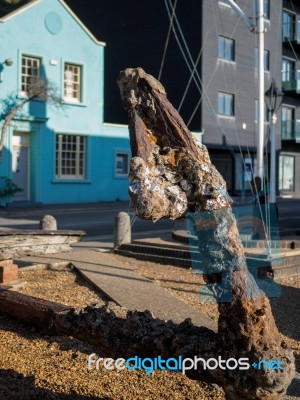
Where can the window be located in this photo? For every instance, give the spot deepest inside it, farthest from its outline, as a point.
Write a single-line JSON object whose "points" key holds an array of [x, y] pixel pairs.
{"points": [[288, 68], [226, 48], [288, 26], [267, 114], [70, 156], [72, 83], [244, 166], [226, 104], [267, 9], [287, 123], [286, 172], [223, 161], [30, 72], [266, 59], [122, 164]]}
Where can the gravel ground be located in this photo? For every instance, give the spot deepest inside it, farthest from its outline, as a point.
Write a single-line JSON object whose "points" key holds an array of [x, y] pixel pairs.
{"points": [[35, 366]]}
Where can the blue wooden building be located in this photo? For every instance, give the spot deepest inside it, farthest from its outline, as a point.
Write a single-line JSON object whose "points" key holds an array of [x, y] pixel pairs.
{"points": [[67, 153]]}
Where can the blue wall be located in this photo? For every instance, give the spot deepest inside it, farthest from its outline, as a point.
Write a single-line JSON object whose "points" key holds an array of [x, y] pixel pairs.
{"points": [[27, 33], [101, 183]]}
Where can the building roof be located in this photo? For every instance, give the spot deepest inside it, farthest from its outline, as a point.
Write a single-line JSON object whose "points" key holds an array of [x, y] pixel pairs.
{"points": [[10, 11]]}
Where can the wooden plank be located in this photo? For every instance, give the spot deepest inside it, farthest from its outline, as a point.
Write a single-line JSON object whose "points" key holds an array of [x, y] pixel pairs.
{"points": [[30, 309]]}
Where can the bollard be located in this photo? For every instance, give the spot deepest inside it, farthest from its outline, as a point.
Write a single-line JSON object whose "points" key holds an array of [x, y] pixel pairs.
{"points": [[122, 231], [48, 223]]}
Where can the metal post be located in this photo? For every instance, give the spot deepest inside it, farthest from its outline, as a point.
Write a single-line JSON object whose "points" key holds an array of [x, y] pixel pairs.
{"points": [[261, 89], [273, 98], [273, 159]]}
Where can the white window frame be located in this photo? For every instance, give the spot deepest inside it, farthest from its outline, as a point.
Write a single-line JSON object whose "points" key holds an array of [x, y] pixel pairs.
{"points": [[118, 173], [72, 87], [68, 158], [29, 71]]}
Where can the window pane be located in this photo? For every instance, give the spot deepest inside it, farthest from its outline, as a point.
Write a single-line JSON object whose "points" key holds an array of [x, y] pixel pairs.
{"points": [[225, 103], [267, 9], [72, 83], [226, 48], [221, 47], [70, 156], [287, 70], [122, 164], [266, 60], [220, 103], [266, 110], [30, 72], [287, 123], [288, 25], [228, 106], [286, 173]]}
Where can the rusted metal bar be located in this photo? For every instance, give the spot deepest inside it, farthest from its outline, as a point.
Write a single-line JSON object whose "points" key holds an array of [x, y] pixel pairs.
{"points": [[171, 177]]}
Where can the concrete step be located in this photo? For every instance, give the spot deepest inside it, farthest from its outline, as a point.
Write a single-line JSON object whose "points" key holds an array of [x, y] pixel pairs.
{"points": [[165, 260], [284, 262], [155, 249], [184, 237]]}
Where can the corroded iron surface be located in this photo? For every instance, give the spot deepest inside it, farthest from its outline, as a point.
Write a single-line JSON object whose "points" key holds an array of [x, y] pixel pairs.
{"points": [[171, 176]]}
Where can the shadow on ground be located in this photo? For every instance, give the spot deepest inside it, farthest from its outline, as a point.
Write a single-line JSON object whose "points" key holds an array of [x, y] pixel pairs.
{"points": [[10, 389], [286, 311]]}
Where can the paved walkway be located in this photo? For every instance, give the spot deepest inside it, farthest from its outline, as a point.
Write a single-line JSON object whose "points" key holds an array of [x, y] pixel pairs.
{"points": [[122, 284]]}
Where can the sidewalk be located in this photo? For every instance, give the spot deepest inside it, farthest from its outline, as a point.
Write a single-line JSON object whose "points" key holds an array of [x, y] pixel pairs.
{"points": [[123, 285]]}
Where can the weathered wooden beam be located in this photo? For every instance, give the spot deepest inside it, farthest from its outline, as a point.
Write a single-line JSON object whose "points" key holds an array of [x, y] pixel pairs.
{"points": [[171, 177], [18, 243], [116, 331], [30, 309]]}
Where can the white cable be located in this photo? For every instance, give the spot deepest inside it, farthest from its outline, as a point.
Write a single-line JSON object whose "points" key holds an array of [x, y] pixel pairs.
{"points": [[167, 42]]}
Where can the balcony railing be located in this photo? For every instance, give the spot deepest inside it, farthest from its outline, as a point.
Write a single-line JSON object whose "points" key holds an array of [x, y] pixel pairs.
{"points": [[291, 32], [291, 81], [290, 130]]}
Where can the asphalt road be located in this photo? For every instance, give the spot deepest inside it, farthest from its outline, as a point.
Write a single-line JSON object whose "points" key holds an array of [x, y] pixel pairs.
{"points": [[97, 219]]}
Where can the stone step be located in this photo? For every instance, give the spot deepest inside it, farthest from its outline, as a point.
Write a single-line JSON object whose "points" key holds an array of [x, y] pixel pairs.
{"points": [[156, 249], [283, 263], [184, 237], [161, 259]]}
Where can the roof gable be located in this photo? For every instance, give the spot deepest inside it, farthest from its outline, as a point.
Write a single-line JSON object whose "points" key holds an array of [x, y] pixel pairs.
{"points": [[25, 6]]}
